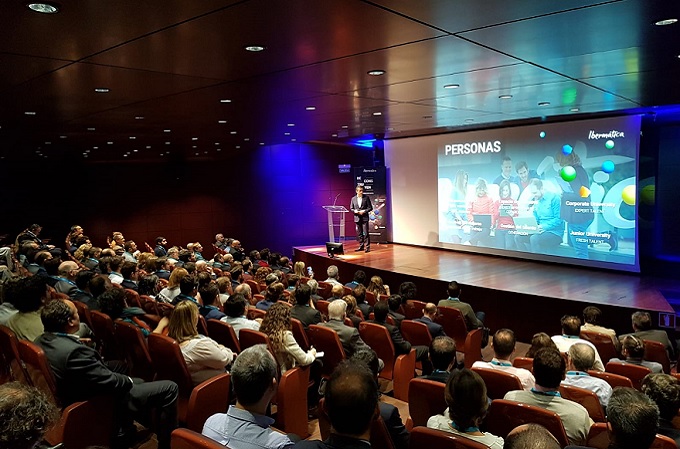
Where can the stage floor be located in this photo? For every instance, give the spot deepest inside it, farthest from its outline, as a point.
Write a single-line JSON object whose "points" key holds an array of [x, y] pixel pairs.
{"points": [[631, 291]]}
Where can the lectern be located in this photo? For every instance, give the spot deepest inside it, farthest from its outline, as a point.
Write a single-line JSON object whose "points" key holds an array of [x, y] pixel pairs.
{"points": [[336, 213]]}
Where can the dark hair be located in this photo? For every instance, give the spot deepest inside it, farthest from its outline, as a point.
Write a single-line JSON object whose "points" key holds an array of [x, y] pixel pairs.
{"points": [[159, 240], [503, 343], [664, 390], [571, 325], [351, 398], [394, 302], [252, 373], [112, 302], [591, 315], [408, 290], [359, 293], [465, 395], [98, 285], [185, 255], [235, 306], [209, 294], [30, 293], [642, 321], [453, 289], [539, 341], [442, 352], [148, 285], [367, 356], [128, 245], [549, 368], [634, 418], [55, 316], [521, 164], [52, 266], [115, 263], [83, 278], [187, 285], [359, 276], [302, 294], [381, 310], [25, 415], [128, 269]]}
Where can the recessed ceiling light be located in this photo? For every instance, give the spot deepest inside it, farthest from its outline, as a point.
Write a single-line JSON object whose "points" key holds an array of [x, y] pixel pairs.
{"points": [[167, 152], [62, 137], [261, 143], [225, 100], [221, 122], [194, 138], [377, 113], [505, 97], [574, 109], [48, 143], [376, 72], [196, 154], [136, 151], [246, 139], [665, 22], [293, 140], [166, 130], [291, 124], [102, 90], [109, 143], [194, 147], [345, 126], [310, 108], [167, 143], [334, 135], [451, 86], [125, 155], [132, 137], [90, 129], [232, 132], [219, 149], [544, 103], [286, 134], [44, 7], [205, 152], [95, 148], [238, 146], [148, 147], [217, 144], [29, 113], [254, 48]]}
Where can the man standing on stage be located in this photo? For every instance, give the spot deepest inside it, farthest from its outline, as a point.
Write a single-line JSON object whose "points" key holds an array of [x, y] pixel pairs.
{"points": [[361, 206]]}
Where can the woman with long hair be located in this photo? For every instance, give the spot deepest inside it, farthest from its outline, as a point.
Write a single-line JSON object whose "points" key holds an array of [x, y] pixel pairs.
{"points": [[273, 294], [277, 325], [172, 290], [205, 358], [377, 287]]}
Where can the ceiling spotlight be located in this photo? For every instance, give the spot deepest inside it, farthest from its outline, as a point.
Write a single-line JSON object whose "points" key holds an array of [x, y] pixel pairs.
{"points": [[219, 149], [167, 143], [451, 86], [44, 7], [194, 138], [139, 117], [166, 130], [286, 134], [62, 137], [217, 144], [109, 143], [334, 135], [29, 113], [254, 48], [102, 90], [95, 148], [293, 140], [90, 129], [194, 147], [132, 137], [291, 124], [377, 113], [344, 126], [544, 103], [221, 122], [310, 108], [238, 146], [225, 100], [665, 22], [377, 72], [505, 97], [136, 151], [246, 139], [232, 132], [148, 147]]}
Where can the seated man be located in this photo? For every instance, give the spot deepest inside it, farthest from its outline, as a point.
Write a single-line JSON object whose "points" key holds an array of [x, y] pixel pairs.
{"points": [[549, 370], [581, 359], [664, 390], [472, 320], [530, 436], [130, 274], [591, 319], [337, 292], [443, 358], [209, 309], [359, 293], [25, 414], [394, 302], [642, 325], [633, 419], [67, 278], [188, 289], [401, 346], [503, 348], [351, 403], [246, 424], [359, 279], [428, 318], [80, 374], [633, 351], [333, 276], [235, 309], [303, 310], [349, 336], [571, 329], [28, 297]]}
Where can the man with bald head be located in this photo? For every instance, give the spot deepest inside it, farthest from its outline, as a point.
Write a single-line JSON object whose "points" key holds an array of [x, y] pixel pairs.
{"points": [[581, 359], [428, 319], [67, 278], [530, 436]]}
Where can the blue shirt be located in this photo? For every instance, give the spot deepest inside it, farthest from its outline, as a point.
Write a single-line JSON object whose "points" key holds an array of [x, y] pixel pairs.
{"points": [[240, 429], [547, 213]]}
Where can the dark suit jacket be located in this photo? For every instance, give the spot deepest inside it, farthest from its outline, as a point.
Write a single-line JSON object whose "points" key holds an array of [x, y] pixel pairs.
{"points": [[401, 346], [306, 315], [436, 330], [397, 317], [79, 371], [366, 207], [333, 442], [129, 284], [349, 336], [160, 251], [395, 426], [471, 320], [365, 308]]}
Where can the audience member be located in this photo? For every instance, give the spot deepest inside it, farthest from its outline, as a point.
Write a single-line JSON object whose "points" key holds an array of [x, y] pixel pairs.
{"points": [[26, 413], [571, 329], [408, 290], [314, 286], [642, 327], [503, 344], [549, 371], [188, 288], [472, 320], [277, 326], [337, 291], [235, 310], [359, 279], [349, 336], [401, 346], [394, 303], [633, 419], [113, 302], [83, 284], [333, 276], [114, 265], [67, 277], [273, 294], [359, 293], [303, 309], [539, 341], [664, 390], [467, 405], [530, 436], [581, 358], [130, 273], [428, 318], [443, 358], [351, 311], [28, 297], [377, 287], [209, 309], [592, 323]]}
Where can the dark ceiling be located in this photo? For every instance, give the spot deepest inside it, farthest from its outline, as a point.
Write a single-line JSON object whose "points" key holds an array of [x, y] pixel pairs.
{"points": [[168, 63]]}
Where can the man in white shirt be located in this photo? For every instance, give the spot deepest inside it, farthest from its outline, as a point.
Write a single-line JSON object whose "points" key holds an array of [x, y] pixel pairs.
{"points": [[503, 348], [235, 309], [592, 318], [333, 275], [571, 329], [581, 359]]}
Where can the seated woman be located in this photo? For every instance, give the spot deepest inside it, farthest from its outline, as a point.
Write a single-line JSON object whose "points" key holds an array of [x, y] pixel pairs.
{"points": [[352, 310], [466, 397], [633, 351], [277, 325], [169, 293], [113, 303], [377, 287], [148, 286], [204, 357]]}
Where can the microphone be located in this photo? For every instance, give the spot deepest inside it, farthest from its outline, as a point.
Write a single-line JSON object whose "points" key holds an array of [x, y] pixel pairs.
{"points": [[336, 198]]}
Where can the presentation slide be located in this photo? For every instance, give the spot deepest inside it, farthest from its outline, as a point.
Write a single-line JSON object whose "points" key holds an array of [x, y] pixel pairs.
{"points": [[562, 192]]}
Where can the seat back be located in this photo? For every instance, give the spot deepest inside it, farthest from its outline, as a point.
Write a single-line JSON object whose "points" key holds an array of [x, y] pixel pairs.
{"points": [[188, 439], [132, 298], [603, 343], [149, 305], [454, 325], [254, 286], [169, 363], [414, 309], [207, 398], [12, 365], [38, 368], [224, 334], [425, 399], [322, 306], [473, 347], [614, 380], [656, 352], [378, 338], [370, 298], [425, 437], [324, 289], [202, 325], [300, 334], [133, 344], [291, 401], [84, 313], [634, 372], [249, 337], [253, 314], [102, 325], [326, 339], [506, 415], [598, 438], [524, 362], [498, 382], [416, 333], [586, 398]]}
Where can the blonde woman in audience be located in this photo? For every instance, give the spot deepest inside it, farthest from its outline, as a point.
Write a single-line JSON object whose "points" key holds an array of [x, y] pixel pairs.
{"points": [[172, 290], [204, 357], [352, 310], [299, 269], [377, 287], [81, 251], [467, 406], [539, 341], [277, 325], [261, 274]]}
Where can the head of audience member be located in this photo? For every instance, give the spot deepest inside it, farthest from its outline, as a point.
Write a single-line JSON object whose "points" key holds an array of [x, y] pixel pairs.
{"points": [[642, 321], [190, 267], [94, 252], [664, 390], [380, 311], [530, 436], [571, 325], [284, 261], [236, 244], [236, 272], [351, 304], [275, 323], [632, 347], [187, 286], [203, 279], [209, 294], [108, 252], [83, 279], [183, 322], [186, 256], [394, 302], [254, 255], [359, 277], [465, 395], [633, 417], [261, 274], [332, 272], [244, 289], [351, 400], [453, 289], [376, 286], [581, 357], [337, 291], [29, 294], [270, 279], [173, 253], [313, 285], [129, 271], [592, 315], [430, 311], [60, 316], [248, 266], [303, 295], [539, 341], [337, 310], [160, 240], [52, 266], [130, 246], [112, 302], [274, 292], [299, 269], [42, 256], [202, 266], [443, 353], [116, 263], [264, 254], [176, 276], [368, 357], [162, 263], [503, 344], [235, 306], [408, 290], [274, 260], [253, 375], [223, 284], [293, 280], [549, 368], [99, 284], [359, 293], [68, 270], [148, 285], [26, 413]]}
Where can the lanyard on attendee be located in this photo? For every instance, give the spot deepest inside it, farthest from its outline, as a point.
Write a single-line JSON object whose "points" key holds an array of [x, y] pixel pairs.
{"points": [[454, 299], [68, 281], [547, 393], [571, 336], [466, 430], [498, 363], [440, 371], [577, 373]]}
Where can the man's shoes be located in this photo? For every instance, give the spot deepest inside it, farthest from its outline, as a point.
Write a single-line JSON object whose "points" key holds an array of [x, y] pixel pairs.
{"points": [[132, 438], [368, 250], [361, 248]]}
